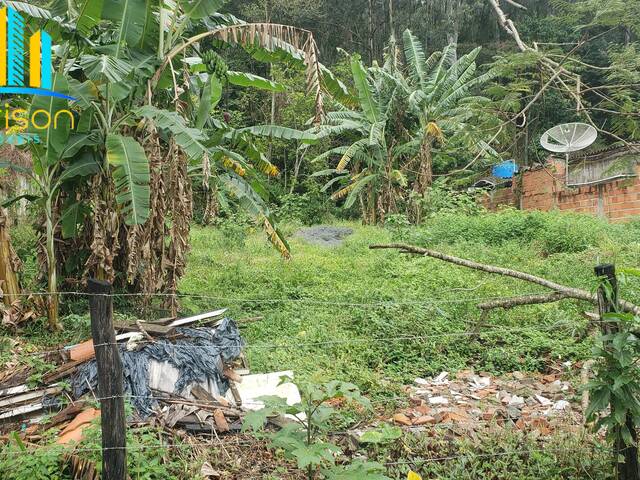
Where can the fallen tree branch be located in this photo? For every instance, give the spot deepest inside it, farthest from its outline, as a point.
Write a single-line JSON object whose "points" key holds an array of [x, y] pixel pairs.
{"points": [[567, 292]]}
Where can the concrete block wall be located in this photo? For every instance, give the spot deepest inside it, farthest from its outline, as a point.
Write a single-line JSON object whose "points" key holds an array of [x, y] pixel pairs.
{"points": [[499, 198], [545, 189]]}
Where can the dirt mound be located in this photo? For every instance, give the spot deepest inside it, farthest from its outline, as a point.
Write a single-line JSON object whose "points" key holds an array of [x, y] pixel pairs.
{"points": [[325, 236]]}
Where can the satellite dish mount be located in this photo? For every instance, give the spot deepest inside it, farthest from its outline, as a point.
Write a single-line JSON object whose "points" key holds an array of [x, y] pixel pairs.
{"points": [[567, 138]]}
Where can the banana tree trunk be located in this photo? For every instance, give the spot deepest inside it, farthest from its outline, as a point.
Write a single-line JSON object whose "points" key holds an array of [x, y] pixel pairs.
{"points": [[8, 277], [52, 274], [425, 172]]}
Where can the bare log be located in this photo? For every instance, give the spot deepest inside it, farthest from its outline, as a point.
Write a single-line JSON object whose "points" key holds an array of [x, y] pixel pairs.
{"points": [[9, 286], [567, 292], [507, 24], [516, 4]]}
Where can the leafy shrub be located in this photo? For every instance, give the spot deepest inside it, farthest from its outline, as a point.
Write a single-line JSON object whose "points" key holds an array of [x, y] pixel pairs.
{"points": [[18, 463], [442, 198], [298, 208], [309, 208], [235, 228], [551, 232], [24, 240], [399, 226], [506, 455], [305, 440], [147, 458]]}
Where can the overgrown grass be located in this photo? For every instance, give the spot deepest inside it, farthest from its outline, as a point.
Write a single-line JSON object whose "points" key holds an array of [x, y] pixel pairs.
{"points": [[379, 319], [507, 455], [353, 314]]}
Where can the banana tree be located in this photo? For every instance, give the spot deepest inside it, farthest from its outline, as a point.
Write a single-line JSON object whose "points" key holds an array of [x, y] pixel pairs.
{"points": [[398, 121], [133, 67], [369, 168], [443, 96], [59, 158]]}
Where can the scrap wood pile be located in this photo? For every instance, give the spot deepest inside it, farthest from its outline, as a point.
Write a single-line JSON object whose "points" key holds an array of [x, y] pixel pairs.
{"points": [[471, 403], [176, 375]]}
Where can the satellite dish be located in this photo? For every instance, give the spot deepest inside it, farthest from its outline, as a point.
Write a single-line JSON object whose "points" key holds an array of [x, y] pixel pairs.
{"points": [[569, 137]]}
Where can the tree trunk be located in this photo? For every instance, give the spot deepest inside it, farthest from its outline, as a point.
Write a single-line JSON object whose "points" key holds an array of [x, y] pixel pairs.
{"points": [[8, 277], [272, 118], [372, 54], [296, 171], [52, 274], [425, 172], [452, 11]]}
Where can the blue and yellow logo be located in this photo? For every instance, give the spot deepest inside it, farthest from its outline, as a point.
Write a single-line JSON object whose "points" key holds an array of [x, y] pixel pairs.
{"points": [[12, 58], [20, 125]]}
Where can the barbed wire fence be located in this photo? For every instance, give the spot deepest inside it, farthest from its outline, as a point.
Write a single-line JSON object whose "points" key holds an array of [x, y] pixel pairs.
{"points": [[116, 454]]}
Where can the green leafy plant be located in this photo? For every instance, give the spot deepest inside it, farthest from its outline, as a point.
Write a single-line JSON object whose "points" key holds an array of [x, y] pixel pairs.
{"points": [[615, 391], [304, 438], [398, 126], [38, 368]]}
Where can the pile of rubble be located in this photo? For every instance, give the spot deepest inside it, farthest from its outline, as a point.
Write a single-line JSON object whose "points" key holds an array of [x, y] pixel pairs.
{"points": [[188, 374], [471, 402]]}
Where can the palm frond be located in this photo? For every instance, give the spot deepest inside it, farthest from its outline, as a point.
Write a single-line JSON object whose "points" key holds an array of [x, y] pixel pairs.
{"points": [[416, 58], [350, 152], [294, 42]]}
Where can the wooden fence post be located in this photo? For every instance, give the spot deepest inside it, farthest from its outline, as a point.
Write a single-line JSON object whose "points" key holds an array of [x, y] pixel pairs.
{"points": [[608, 303], [110, 388]]}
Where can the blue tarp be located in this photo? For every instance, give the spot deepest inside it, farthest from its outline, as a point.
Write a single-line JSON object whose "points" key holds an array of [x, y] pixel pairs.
{"points": [[505, 169], [194, 355]]}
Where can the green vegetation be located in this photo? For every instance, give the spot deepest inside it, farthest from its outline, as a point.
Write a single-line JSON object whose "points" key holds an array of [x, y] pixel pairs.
{"points": [[378, 320], [199, 126], [147, 457], [338, 313]]}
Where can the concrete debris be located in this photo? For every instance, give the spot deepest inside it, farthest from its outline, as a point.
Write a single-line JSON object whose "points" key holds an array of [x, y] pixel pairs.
{"points": [[207, 471], [543, 401], [467, 402], [561, 405], [441, 379]]}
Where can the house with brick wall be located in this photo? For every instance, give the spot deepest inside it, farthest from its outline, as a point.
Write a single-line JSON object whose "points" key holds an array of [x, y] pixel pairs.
{"points": [[605, 183]]}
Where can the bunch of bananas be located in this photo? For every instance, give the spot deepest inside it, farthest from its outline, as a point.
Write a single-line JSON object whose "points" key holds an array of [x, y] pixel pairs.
{"points": [[234, 165], [216, 65]]}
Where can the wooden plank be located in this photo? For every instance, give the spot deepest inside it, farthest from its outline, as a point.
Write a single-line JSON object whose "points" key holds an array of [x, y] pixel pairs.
{"points": [[110, 382], [162, 321], [235, 393], [221, 422], [27, 397], [22, 411], [196, 318], [65, 415], [64, 370], [14, 390], [152, 329], [202, 395], [232, 375]]}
